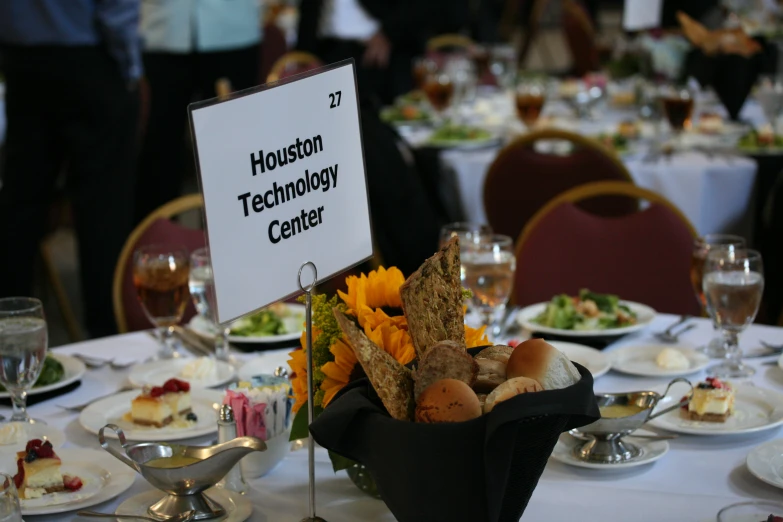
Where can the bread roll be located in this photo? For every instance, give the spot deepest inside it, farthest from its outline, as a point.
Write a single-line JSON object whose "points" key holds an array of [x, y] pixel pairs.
{"points": [[447, 400], [491, 374], [496, 353], [508, 389], [541, 361], [444, 360]]}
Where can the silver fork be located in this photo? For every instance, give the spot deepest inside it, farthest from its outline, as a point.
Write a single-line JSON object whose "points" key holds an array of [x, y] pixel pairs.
{"points": [[79, 407], [668, 335]]}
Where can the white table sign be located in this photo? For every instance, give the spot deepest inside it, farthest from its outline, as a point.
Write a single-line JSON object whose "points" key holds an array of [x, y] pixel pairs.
{"points": [[642, 14], [282, 173]]}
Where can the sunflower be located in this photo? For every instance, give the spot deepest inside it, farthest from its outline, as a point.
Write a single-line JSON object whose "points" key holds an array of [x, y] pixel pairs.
{"points": [[475, 337], [374, 318], [338, 372], [378, 289], [395, 341], [298, 364]]}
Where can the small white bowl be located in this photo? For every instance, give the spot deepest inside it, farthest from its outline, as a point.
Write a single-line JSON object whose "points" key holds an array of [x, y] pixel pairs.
{"points": [[259, 463]]}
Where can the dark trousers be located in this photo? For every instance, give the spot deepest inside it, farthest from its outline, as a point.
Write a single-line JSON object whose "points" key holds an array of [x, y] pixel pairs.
{"points": [[69, 112], [175, 80]]}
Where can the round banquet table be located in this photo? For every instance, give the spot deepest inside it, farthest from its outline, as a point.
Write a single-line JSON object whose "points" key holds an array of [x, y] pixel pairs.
{"points": [[692, 482]]}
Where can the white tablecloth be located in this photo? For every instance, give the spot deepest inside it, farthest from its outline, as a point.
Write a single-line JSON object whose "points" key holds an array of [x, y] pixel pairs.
{"points": [[691, 483]]}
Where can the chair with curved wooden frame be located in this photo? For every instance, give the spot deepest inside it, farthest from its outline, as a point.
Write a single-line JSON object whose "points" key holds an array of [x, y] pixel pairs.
{"points": [[521, 179], [449, 43], [643, 257], [291, 63], [156, 228]]}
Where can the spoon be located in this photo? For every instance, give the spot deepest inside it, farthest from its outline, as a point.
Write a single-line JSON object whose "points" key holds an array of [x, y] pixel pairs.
{"points": [[185, 516], [667, 336]]}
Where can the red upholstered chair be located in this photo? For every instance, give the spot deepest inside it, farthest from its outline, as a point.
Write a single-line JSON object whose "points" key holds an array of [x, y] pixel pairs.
{"points": [[157, 228], [580, 36], [643, 257], [294, 62], [521, 180]]}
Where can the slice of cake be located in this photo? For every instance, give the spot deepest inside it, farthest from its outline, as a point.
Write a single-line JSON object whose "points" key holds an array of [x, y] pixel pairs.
{"points": [[38, 471], [712, 401], [159, 405]]}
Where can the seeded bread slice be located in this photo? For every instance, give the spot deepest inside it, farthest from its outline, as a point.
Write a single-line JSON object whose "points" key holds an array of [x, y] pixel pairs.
{"points": [[444, 360], [432, 300], [392, 381]]}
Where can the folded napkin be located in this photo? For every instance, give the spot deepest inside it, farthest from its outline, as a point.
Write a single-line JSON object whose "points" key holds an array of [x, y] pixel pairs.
{"points": [[41, 397]]}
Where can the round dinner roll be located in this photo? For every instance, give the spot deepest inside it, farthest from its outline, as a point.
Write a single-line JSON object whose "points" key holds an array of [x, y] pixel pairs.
{"points": [[541, 361], [447, 400], [499, 353], [510, 388], [491, 374]]}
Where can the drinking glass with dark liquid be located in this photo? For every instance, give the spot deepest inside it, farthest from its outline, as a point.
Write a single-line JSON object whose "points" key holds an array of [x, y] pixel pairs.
{"points": [[678, 107], [529, 98], [160, 275], [423, 67], [439, 90]]}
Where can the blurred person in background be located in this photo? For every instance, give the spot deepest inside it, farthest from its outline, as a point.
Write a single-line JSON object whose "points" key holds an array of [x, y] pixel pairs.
{"points": [[71, 70], [383, 36], [188, 45]]}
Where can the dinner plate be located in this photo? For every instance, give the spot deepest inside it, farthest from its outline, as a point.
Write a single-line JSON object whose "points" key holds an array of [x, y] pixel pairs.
{"points": [[640, 360], [73, 370], [489, 141], [157, 372], [294, 323], [238, 507], [29, 432], [596, 362], [104, 478], [644, 315], [755, 409], [765, 462], [652, 450], [112, 410]]}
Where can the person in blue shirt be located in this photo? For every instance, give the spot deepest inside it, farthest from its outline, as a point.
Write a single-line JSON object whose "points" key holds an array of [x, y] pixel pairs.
{"points": [[187, 46], [71, 68]]}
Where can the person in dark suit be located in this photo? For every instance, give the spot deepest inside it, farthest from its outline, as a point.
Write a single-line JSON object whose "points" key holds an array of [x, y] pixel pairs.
{"points": [[383, 36]]}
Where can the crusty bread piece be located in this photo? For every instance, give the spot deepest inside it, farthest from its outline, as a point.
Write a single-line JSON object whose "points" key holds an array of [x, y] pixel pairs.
{"points": [[498, 352], [392, 381], [444, 360], [432, 300], [491, 374], [510, 388]]}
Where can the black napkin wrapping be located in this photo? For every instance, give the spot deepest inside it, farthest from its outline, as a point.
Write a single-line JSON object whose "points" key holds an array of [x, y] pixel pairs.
{"points": [[40, 397], [483, 470], [731, 76]]}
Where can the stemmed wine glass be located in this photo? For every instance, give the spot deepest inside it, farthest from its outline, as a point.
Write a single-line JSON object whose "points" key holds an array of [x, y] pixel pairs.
{"points": [[733, 286], [701, 247], [160, 275], [23, 345], [439, 89], [463, 76], [467, 233], [770, 97], [503, 65], [202, 289], [677, 101], [422, 68], [529, 100], [489, 265], [10, 510]]}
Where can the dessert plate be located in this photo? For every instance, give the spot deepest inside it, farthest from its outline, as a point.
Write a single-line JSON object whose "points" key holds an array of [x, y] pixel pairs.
{"points": [[73, 368], [765, 462], [652, 450], [114, 410], [22, 432], [755, 409], [644, 314], [639, 359], [294, 323], [104, 478], [238, 507], [594, 360], [157, 372]]}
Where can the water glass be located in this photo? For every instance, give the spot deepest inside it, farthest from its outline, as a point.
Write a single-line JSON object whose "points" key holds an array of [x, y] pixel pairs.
{"points": [[10, 510], [770, 97], [202, 289], [23, 345], [503, 65], [467, 233], [489, 265], [701, 247], [733, 286], [160, 275]]}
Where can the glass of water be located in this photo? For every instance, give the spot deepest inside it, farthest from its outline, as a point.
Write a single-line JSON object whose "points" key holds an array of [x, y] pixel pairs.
{"points": [[23, 346], [733, 286], [202, 290], [10, 511], [489, 265]]}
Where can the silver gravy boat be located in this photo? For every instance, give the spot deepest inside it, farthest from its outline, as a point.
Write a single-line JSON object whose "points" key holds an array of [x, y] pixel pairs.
{"points": [[185, 485]]}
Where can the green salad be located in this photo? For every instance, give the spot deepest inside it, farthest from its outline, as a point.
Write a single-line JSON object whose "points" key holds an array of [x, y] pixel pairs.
{"points": [[277, 319], [616, 142], [404, 114], [587, 311], [51, 373], [760, 140], [459, 133]]}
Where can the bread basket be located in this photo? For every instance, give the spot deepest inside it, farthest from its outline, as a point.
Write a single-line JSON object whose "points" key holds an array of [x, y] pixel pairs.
{"points": [[483, 470]]}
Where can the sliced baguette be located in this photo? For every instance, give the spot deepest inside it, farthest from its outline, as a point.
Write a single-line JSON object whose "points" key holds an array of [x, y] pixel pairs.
{"points": [[392, 381], [432, 300], [444, 360]]}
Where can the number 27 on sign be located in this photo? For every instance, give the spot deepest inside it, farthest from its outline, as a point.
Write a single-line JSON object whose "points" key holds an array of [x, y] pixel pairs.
{"points": [[335, 98]]}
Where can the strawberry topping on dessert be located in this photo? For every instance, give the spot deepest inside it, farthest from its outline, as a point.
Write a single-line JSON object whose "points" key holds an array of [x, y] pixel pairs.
{"points": [[170, 386], [72, 483]]}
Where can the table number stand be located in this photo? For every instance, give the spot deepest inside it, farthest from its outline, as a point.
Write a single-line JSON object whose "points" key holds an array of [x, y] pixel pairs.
{"points": [[307, 289]]}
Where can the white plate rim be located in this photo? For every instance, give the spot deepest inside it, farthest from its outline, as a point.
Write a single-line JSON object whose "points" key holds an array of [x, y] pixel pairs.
{"points": [[121, 478], [615, 354], [664, 445], [206, 394], [525, 315], [137, 381], [605, 364], [195, 326], [754, 453], [74, 370], [658, 422]]}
